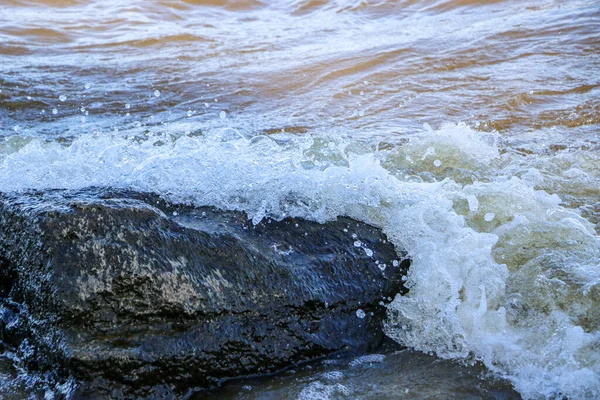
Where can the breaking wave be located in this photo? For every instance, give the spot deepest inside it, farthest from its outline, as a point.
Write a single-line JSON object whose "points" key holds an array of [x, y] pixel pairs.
{"points": [[504, 271]]}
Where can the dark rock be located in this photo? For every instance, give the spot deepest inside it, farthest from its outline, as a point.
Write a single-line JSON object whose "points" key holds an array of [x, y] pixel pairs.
{"points": [[130, 296]]}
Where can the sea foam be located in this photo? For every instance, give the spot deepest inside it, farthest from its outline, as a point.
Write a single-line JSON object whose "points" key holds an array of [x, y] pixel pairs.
{"points": [[517, 291]]}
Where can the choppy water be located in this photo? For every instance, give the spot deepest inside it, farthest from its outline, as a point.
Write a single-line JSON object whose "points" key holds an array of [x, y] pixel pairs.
{"points": [[467, 130]]}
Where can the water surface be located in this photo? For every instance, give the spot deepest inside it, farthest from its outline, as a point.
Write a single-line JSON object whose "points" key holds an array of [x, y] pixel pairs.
{"points": [[466, 130]]}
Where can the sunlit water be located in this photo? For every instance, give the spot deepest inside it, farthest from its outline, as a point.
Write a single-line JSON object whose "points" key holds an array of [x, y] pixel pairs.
{"points": [[466, 130]]}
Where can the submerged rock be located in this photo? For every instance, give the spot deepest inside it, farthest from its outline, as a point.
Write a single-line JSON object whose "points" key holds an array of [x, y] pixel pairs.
{"points": [[121, 294]]}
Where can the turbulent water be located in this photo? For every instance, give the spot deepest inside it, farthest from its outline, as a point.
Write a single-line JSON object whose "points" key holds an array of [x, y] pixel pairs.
{"points": [[466, 130]]}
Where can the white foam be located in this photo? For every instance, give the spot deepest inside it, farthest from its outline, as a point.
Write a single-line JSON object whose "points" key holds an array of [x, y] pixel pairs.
{"points": [[367, 359], [519, 291], [320, 391]]}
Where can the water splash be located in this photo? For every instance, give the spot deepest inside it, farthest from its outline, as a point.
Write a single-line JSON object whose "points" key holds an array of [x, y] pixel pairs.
{"points": [[502, 272]]}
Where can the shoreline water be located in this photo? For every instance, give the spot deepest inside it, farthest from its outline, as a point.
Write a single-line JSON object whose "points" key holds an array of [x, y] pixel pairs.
{"points": [[467, 131], [388, 374]]}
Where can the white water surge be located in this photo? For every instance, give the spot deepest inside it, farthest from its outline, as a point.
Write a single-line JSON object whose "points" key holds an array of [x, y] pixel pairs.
{"points": [[501, 273], [499, 209]]}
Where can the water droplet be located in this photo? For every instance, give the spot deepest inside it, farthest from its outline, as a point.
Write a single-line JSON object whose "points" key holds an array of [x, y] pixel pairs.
{"points": [[222, 115], [157, 93], [395, 263], [128, 106], [216, 100], [54, 111], [366, 82], [82, 109], [358, 243], [189, 113], [437, 163], [369, 252], [362, 93], [175, 213], [361, 113], [87, 86], [360, 314], [354, 236], [62, 97], [489, 217], [206, 105]]}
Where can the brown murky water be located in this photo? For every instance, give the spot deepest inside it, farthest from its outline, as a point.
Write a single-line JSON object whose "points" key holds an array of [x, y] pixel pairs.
{"points": [[467, 130], [377, 68]]}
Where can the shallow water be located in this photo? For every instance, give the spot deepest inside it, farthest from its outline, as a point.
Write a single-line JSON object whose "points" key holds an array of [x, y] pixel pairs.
{"points": [[467, 130], [396, 375]]}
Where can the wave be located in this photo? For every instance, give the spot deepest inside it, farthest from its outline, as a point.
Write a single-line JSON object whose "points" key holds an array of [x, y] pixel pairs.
{"points": [[503, 272]]}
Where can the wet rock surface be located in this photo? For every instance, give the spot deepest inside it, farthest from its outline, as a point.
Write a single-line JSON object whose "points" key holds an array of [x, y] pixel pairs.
{"points": [[121, 294]]}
